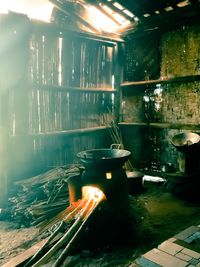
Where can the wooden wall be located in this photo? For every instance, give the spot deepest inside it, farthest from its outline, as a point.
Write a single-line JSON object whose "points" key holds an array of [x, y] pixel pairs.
{"points": [[57, 88]]}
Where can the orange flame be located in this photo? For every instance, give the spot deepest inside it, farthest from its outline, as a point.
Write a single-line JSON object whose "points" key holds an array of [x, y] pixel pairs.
{"points": [[92, 193]]}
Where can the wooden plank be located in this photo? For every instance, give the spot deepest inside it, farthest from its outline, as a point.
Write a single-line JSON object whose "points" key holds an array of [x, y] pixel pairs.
{"points": [[68, 132], [188, 78], [178, 126], [71, 88], [19, 259]]}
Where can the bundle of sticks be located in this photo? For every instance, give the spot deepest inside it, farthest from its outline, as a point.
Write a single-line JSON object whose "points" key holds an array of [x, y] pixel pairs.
{"points": [[39, 198], [116, 138], [44, 199], [64, 236]]}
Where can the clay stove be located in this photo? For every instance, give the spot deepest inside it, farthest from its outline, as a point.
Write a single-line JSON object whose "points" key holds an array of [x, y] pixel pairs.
{"points": [[186, 180], [102, 168]]}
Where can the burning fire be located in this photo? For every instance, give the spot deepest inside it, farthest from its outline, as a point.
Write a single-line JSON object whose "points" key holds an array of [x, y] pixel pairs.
{"points": [[93, 193], [80, 211]]}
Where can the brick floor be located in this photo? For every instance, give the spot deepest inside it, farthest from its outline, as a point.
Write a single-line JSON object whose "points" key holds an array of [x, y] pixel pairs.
{"points": [[171, 254]]}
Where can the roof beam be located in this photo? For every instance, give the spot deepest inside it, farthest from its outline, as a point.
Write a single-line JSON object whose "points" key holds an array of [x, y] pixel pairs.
{"points": [[101, 9], [67, 9], [178, 14], [159, 6], [165, 21], [115, 9]]}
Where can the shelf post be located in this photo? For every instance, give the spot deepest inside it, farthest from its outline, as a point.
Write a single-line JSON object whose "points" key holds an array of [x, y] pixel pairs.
{"points": [[118, 74]]}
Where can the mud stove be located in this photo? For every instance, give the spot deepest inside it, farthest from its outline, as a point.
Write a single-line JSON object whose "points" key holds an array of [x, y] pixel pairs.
{"points": [[185, 182]]}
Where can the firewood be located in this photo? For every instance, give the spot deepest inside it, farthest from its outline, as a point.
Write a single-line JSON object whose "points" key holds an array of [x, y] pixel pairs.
{"points": [[69, 213], [47, 242], [67, 236], [41, 197], [75, 237]]}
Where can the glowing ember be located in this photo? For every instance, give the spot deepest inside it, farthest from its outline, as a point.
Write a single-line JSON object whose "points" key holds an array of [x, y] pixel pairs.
{"points": [[93, 193]]}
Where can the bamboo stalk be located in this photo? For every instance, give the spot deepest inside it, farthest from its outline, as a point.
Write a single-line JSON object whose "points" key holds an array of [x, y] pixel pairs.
{"points": [[51, 237], [74, 238], [66, 237], [116, 137], [65, 215]]}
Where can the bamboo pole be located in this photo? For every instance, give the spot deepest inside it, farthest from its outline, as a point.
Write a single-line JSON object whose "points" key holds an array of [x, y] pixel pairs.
{"points": [[74, 238], [66, 237], [65, 215], [45, 245]]}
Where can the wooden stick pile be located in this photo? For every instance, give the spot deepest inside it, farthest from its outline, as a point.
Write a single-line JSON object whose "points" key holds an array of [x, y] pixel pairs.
{"points": [[78, 215], [40, 198]]}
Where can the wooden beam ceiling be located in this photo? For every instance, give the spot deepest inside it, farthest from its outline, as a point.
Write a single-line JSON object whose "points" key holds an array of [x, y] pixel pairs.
{"points": [[167, 21], [68, 10], [115, 9], [150, 13], [99, 6]]}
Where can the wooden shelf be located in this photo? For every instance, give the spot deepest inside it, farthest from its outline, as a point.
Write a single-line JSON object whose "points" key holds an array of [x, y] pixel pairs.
{"points": [[72, 132], [189, 78], [66, 132], [72, 89], [178, 126]]}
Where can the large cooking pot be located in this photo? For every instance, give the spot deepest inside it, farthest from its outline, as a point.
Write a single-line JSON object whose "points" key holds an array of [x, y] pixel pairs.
{"points": [[185, 140], [104, 158]]}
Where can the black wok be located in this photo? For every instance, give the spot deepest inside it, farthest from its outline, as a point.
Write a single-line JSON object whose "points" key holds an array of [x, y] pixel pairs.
{"points": [[104, 158]]}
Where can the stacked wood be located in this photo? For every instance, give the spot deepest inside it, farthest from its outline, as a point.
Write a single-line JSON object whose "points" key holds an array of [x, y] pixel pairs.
{"points": [[64, 237], [40, 198]]}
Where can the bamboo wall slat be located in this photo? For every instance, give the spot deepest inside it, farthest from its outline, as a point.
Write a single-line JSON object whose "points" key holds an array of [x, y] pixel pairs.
{"points": [[58, 111], [57, 60], [54, 96]]}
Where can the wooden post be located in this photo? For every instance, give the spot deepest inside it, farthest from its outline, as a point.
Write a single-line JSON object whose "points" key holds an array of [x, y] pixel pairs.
{"points": [[118, 74]]}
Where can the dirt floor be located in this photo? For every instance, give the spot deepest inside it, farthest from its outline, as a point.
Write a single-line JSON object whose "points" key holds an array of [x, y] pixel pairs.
{"points": [[154, 216]]}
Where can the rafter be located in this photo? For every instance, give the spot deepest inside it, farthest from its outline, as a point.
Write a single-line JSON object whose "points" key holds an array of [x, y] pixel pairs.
{"points": [[115, 9], [98, 6], [168, 20], [66, 9]]}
